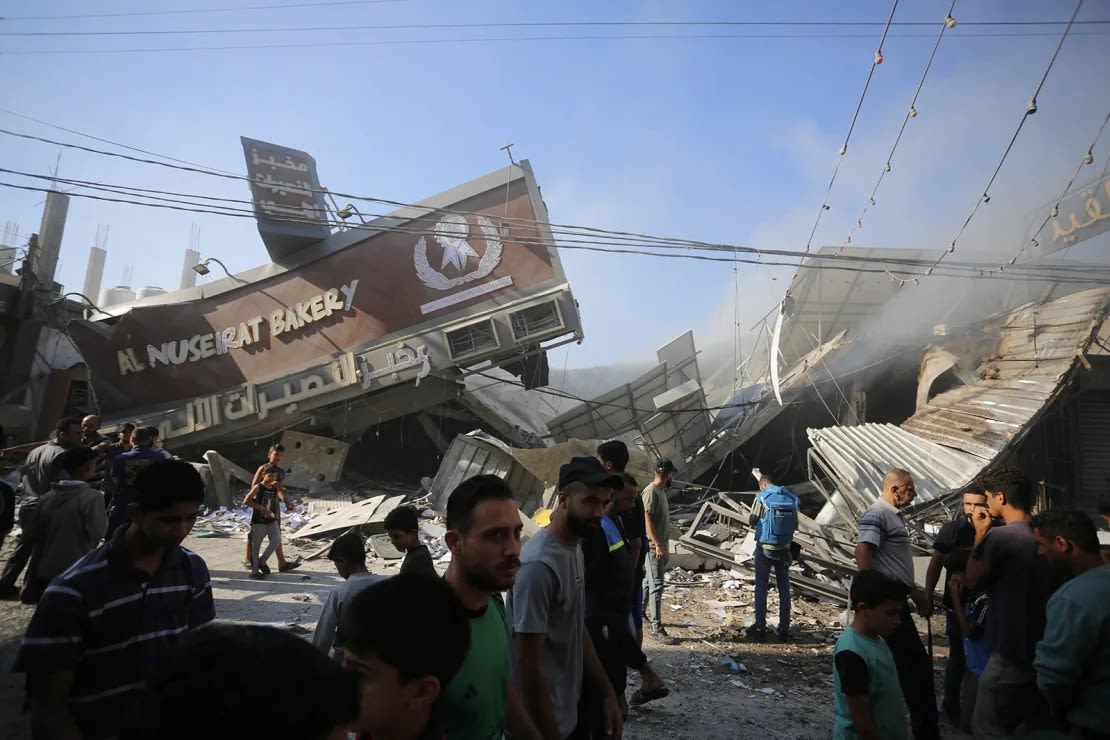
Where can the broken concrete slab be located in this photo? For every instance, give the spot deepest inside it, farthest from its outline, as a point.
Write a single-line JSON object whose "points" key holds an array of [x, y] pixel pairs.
{"points": [[371, 511], [311, 459]]}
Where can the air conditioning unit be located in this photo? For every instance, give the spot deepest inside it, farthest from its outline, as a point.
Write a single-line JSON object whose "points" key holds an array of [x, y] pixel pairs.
{"points": [[529, 324], [472, 340]]}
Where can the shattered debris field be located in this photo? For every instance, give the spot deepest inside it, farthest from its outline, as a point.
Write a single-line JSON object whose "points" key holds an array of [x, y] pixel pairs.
{"points": [[721, 686]]}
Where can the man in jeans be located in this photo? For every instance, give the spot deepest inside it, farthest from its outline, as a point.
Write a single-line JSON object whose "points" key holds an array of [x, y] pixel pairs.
{"points": [[775, 517], [1004, 563], [657, 521], [951, 549]]}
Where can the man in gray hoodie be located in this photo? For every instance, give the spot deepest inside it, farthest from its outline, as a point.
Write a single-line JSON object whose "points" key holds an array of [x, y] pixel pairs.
{"points": [[71, 522]]}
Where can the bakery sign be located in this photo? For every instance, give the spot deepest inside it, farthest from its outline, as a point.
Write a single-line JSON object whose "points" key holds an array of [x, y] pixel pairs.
{"points": [[251, 331], [479, 248]]}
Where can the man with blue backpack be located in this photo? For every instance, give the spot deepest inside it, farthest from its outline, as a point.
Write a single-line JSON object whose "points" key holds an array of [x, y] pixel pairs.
{"points": [[775, 518]]}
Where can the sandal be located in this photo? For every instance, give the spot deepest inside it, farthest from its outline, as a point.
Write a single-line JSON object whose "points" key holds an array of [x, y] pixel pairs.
{"points": [[643, 697]]}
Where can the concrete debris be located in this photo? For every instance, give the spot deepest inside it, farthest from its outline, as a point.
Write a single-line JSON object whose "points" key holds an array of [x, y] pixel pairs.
{"points": [[225, 522], [721, 531], [372, 511]]}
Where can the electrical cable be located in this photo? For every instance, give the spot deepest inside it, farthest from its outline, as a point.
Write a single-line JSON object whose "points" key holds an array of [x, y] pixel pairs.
{"points": [[538, 24], [878, 59], [1088, 158], [1084, 274], [332, 44], [1030, 109], [911, 112], [192, 11], [629, 238]]}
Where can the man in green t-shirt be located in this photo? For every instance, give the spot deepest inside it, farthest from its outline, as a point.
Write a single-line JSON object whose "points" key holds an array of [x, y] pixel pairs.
{"points": [[867, 702], [483, 533]]}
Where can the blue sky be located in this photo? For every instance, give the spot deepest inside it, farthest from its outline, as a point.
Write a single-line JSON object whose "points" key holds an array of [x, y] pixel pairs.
{"points": [[727, 139]]}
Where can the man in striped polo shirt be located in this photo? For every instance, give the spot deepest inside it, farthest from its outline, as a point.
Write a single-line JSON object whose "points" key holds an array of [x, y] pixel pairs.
{"points": [[110, 618]]}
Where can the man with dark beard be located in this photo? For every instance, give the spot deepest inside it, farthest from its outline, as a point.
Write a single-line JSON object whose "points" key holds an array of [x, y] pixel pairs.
{"points": [[547, 609], [483, 534]]}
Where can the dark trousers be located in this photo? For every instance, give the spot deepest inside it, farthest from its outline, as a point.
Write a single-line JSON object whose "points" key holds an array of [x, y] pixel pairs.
{"points": [[28, 520], [616, 649], [956, 666], [764, 562], [915, 676]]}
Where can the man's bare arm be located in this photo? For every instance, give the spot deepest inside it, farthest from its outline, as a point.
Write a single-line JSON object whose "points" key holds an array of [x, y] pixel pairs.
{"points": [[517, 720], [537, 694], [932, 576], [653, 536], [50, 717], [863, 556]]}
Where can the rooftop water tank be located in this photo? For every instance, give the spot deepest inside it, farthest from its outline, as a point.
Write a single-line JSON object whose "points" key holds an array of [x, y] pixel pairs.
{"points": [[115, 296]]}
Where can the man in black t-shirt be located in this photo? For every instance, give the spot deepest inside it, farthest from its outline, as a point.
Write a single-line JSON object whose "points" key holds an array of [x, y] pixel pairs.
{"points": [[609, 575], [614, 456], [951, 549]]}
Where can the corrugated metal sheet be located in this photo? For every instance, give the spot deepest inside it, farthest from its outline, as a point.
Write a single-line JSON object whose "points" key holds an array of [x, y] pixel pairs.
{"points": [[477, 453], [645, 410], [960, 432], [857, 457], [1039, 346]]}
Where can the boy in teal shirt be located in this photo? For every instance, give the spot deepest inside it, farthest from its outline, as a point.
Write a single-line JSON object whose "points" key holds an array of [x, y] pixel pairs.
{"points": [[868, 702]]}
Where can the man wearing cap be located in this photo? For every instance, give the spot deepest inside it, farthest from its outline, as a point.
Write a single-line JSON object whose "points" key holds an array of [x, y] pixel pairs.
{"points": [[657, 520], [547, 608]]}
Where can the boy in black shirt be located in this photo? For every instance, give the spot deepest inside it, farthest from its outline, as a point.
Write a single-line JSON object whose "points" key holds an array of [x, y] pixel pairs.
{"points": [[274, 458], [263, 500], [404, 532]]}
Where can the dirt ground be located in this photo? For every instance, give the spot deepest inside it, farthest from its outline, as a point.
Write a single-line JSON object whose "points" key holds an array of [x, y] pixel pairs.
{"points": [[774, 690]]}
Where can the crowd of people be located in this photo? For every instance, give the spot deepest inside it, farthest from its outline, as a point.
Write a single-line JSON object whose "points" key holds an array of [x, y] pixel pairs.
{"points": [[531, 640], [1027, 599]]}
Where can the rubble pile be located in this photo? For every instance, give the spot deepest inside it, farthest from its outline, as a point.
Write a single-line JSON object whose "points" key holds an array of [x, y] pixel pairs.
{"points": [[718, 606], [720, 532], [225, 522]]}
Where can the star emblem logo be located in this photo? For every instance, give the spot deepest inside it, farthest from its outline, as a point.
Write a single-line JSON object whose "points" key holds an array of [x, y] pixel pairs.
{"points": [[452, 233]]}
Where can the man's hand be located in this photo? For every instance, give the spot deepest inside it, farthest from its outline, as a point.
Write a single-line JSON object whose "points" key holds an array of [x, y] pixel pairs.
{"points": [[981, 521], [614, 722], [658, 550], [923, 602]]}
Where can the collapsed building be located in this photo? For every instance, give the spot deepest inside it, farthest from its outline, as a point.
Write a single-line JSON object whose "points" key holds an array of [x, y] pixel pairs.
{"points": [[435, 321], [346, 329]]}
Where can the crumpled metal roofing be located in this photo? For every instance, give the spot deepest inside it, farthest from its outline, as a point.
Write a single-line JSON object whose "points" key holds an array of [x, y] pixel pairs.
{"points": [[960, 432]]}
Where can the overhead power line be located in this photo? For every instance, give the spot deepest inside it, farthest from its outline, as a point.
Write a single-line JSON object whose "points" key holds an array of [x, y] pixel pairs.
{"points": [[1063, 274], [1030, 109], [194, 11], [635, 238], [1088, 159], [911, 112], [875, 62], [541, 24], [334, 44]]}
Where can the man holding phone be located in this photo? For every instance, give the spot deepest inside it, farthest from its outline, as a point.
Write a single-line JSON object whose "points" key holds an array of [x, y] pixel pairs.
{"points": [[951, 549]]}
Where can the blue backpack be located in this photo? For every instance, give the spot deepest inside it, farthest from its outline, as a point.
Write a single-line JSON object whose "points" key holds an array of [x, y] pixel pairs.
{"points": [[780, 517]]}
